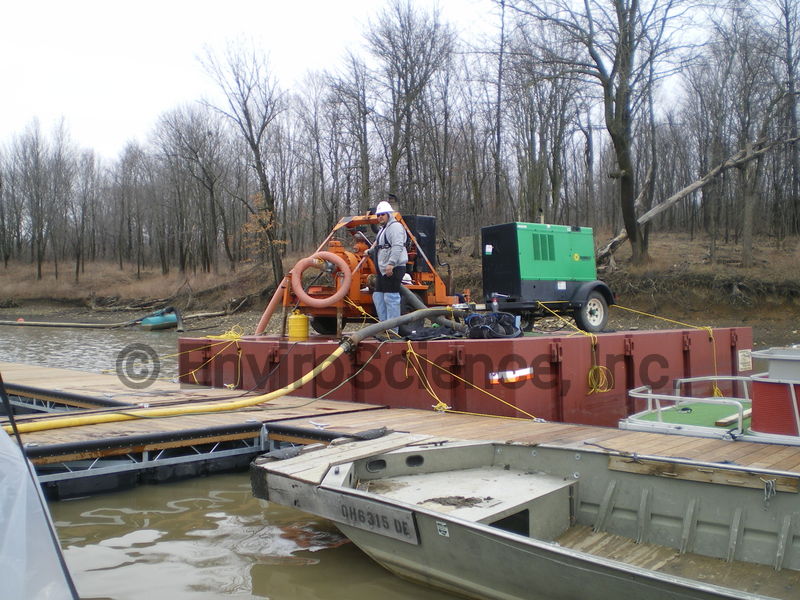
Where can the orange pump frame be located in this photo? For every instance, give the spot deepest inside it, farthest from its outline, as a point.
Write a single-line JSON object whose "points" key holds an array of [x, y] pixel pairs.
{"points": [[428, 285]]}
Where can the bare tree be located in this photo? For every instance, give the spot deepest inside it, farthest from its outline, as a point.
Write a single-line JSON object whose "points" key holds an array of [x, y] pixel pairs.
{"points": [[197, 139], [754, 97], [30, 162], [350, 92], [622, 46], [410, 46], [82, 207], [6, 243], [253, 101], [785, 17]]}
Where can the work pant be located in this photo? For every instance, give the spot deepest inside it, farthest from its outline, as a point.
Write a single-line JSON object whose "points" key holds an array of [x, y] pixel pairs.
{"points": [[386, 296]]}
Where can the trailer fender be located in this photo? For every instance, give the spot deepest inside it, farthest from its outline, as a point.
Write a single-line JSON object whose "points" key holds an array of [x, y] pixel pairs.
{"points": [[582, 293]]}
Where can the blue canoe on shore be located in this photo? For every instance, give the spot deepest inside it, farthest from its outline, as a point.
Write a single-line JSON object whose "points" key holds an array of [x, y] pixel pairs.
{"points": [[161, 321]]}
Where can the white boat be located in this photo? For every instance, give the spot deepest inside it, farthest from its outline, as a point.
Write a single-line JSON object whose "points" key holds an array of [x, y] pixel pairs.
{"points": [[513, 521], [31, 563]]}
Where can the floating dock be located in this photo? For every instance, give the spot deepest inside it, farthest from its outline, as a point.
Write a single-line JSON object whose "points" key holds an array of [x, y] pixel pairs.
{"points": [[90, 459]]}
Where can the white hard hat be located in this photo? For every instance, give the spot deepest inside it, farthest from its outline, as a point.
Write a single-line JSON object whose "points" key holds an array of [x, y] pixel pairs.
{"points": [[383, 207]]}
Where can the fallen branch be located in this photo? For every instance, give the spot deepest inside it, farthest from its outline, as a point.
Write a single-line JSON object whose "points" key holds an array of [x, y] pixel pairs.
{"points": [[219, 313], [745, 155], [134, 306]]}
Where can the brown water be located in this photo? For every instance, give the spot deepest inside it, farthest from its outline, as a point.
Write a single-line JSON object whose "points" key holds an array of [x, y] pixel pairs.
{"points": [[207, 538], [200, 538]]}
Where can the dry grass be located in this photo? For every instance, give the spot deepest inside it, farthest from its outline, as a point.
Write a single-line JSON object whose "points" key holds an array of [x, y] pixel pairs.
{"points": [[679, 273], [772, 260], [101, 280]]}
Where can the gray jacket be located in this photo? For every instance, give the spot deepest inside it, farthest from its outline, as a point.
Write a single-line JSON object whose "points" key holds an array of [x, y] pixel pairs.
{"points": [[391, 245]]}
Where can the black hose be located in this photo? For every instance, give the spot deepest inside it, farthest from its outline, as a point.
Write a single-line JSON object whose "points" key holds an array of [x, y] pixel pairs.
{"points": [[441, 320], [349, 343]]}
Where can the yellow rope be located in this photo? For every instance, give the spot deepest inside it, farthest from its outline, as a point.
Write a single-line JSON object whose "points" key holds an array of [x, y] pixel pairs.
{"points": [[412, 354], [233, 386], [412, 359], [161, 356], [229, 337], [364, 314], [191, 350], [193, 372], [599, 378], [474, 414], [232, 336], [716, 392], [234, 333]]}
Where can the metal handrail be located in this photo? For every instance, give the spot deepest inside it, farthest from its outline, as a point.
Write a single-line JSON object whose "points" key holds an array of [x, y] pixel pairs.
{"points": [[746, 379], [654, 400]]}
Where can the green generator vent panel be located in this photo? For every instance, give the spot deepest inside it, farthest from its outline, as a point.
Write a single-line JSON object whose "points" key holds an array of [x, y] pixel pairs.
{"points": [[543, 246], [549, 252]]}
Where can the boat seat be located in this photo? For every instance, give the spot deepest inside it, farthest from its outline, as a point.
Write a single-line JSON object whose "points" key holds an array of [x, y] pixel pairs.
{"points": [[532, 504]]}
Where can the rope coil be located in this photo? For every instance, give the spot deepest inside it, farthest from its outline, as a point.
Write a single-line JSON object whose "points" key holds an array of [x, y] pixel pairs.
{"points": [[599, 378]]}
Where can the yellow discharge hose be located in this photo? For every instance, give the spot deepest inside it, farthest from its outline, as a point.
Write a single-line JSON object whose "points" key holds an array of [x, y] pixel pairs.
{"points": [[174, 411], [137, 413]]}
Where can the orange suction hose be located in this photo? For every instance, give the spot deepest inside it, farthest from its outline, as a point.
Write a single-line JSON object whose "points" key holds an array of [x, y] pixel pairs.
{"points": [[314, 260], [276, 297], [297, 286]]}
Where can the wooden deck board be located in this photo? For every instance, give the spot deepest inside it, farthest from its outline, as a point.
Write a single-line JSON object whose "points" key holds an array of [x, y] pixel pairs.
{"points": [[782, 457], [738, 453], [352, 417]]}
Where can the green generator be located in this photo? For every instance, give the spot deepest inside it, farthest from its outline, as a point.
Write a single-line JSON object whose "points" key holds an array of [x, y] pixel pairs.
{"points": [[529, 268]]}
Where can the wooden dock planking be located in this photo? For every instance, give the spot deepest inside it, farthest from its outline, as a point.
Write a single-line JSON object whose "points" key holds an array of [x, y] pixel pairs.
{"points": [[747, 454], [313, 416], [735, 454], [781, 458], [312, 470], [48, 380], [792, 466]]}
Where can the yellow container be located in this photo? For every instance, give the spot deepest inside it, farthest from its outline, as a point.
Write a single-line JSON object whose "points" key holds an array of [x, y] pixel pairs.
{"points": [[297, 326]]}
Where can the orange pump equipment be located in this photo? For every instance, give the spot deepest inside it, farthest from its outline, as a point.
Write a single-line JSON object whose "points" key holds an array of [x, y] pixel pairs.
{"points": [[332, 305]]}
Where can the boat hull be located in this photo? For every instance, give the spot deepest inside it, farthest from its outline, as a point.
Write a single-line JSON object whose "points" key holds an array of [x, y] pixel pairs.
{"points": [[686, 531], [491, 566], [167, 321]]}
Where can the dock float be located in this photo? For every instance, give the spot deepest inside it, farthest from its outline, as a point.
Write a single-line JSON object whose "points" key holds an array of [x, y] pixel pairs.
{"points": [[90, 459]]}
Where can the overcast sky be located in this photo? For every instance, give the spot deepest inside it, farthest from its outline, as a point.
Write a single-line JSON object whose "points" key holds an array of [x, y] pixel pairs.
{"points": [[111, 67]]}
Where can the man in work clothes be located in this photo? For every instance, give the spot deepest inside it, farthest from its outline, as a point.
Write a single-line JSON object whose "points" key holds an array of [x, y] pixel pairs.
{"points": [[390, 260]]}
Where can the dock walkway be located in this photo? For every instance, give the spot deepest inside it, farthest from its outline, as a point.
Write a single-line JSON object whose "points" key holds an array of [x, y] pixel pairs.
{"points": [[100, 457]]}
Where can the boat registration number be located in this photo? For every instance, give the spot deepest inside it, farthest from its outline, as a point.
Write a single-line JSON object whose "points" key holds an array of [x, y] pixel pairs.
{"points": [[371, 516]]}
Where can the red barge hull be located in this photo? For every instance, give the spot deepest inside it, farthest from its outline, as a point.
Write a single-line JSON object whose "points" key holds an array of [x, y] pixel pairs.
{"points": [[557, 391]]}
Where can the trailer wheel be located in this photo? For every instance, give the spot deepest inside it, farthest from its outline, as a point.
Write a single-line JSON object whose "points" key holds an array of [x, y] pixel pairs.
{"points": [[593, 315], [527, 321]]}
